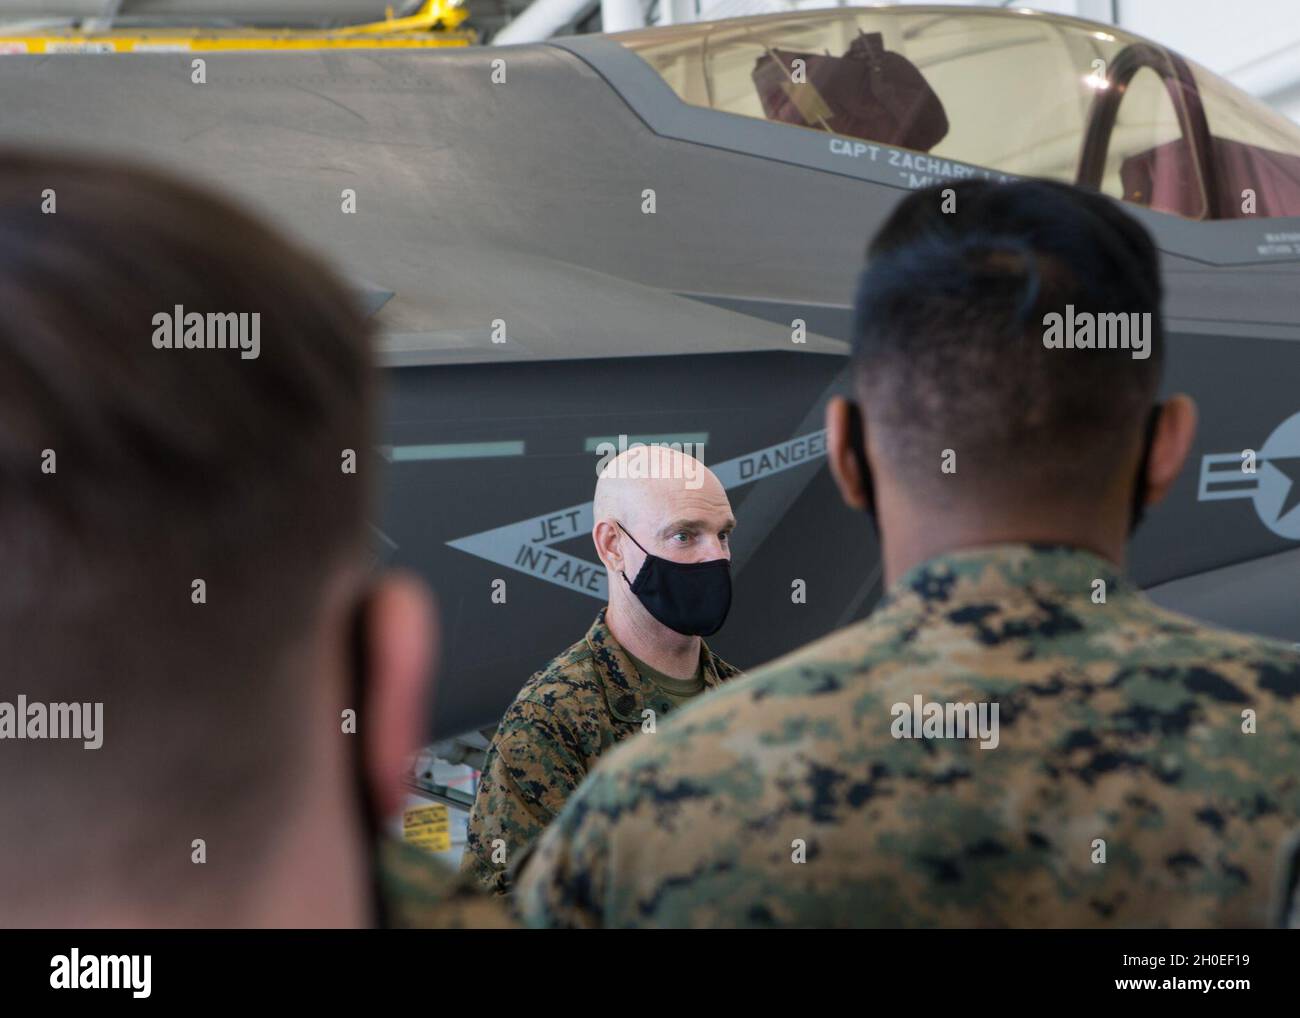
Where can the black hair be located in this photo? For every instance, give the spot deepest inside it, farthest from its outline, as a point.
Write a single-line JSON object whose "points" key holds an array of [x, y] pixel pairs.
{"points": [[949, 348]]}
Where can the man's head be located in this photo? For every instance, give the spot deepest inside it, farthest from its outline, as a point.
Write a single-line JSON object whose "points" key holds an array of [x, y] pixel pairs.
{"points": [[972, 425], [183, 539], [669, 504]]}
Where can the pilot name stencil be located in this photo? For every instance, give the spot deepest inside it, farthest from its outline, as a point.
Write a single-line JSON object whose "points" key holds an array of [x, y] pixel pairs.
{"points": [[933, 169], [1274, 486], [528, 545]]}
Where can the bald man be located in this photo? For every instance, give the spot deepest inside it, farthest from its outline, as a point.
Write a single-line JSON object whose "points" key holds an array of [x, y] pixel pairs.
{"points": [[662, 527]]}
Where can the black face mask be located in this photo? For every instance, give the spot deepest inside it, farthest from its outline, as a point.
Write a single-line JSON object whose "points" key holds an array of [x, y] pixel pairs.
{"points": [[691, 598], [857, 443], [372, 825]]}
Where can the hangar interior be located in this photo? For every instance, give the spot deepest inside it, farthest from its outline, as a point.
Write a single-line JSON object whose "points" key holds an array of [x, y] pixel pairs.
{"points": [[1028, 117]]}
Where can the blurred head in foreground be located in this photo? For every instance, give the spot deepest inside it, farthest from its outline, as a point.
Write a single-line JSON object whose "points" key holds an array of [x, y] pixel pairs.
{"points": [[188, 623]]}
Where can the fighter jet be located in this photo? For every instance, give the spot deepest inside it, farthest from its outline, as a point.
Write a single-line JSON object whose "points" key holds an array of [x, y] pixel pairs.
{"points": [[654, 236]]}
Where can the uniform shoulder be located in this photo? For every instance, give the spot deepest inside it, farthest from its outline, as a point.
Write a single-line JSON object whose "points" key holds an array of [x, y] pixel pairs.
{"points": [[807, 668], [1177, 640], [568, 683], [420, 892], [1208, 633], [761, 702]]}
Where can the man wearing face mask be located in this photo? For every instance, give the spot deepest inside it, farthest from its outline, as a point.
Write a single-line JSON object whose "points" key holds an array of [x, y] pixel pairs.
{"points": [[1016, 736], [662, 529], [184, 567]]}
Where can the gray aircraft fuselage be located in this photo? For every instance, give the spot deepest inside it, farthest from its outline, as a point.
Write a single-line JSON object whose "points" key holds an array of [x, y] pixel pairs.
{"points": [[531, 307]]}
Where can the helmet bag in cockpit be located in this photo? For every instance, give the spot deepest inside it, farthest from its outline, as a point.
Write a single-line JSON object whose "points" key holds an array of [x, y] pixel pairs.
{"points": [[869, 93]]}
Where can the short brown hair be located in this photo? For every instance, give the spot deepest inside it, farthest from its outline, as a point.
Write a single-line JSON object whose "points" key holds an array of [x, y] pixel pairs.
{"points": [[170, 466]]}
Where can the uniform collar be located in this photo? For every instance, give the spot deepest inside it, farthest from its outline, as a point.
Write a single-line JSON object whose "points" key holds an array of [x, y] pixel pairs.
{"points": [[626, 690], [1001, 571]]}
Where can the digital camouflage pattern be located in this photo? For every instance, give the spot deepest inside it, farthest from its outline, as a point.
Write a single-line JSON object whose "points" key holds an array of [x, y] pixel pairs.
{"points": [[421, 892], [564, 718], [1118, 721]]}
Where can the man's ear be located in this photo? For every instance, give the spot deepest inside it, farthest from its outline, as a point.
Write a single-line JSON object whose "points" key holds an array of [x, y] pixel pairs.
{"points": [[605, 536], [1175, 431], [401, 643], [845, 466]]}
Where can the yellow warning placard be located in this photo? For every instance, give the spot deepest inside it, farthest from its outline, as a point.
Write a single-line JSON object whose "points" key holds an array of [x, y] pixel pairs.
{"points": [[427, 827]]}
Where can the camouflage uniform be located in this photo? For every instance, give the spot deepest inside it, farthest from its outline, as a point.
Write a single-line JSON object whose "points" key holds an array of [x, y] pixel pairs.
{"points": [[564, 718], [420, 892], [1119, 722]]}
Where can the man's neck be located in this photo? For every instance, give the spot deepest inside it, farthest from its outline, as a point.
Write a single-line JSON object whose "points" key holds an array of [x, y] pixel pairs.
{"points": [[644, 637], [906, 545], [305, 896], [313, 876]]}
